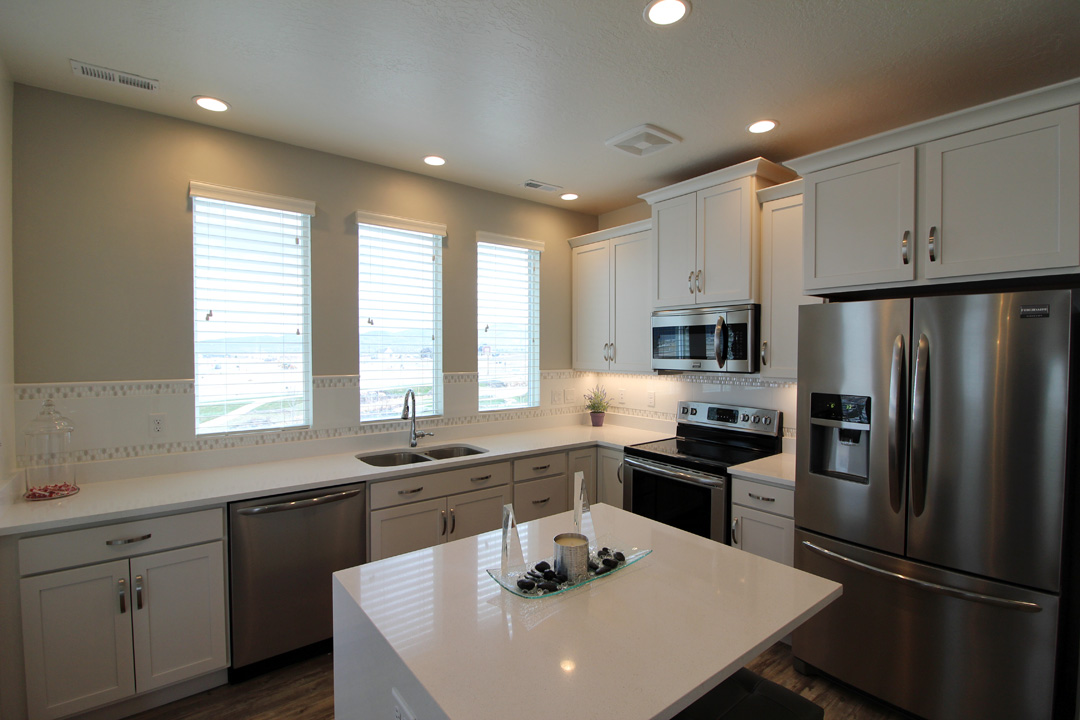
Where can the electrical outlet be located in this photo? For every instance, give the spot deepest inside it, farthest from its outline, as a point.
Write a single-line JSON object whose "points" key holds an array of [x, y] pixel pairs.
{"points": [[401, 710], [622, 396], [157, 424], [652, 398]]}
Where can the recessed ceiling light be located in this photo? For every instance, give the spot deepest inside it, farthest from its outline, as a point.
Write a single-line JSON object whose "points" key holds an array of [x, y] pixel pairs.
{"points": [[569, 196], [434, 160], [666, 12], [209, 103], [762, 126]]}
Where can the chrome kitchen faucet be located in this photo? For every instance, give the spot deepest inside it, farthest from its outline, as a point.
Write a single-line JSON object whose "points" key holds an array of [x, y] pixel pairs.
{"points": [[414, 435]]}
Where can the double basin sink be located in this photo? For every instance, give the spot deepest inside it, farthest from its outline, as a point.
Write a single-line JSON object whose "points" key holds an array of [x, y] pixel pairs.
{"points": [[395, 458]]}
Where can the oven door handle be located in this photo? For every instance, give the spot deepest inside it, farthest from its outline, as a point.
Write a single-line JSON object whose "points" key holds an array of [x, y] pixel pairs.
{"points": [[679, 475]]}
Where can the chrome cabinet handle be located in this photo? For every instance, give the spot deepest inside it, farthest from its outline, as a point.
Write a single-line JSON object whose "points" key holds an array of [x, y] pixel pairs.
{"points": [[138, 592], [443, 521], [1021, 605], [690, 280], [453, 521], [896, 424], [734, 531], [123, 595], [762, 498], [538, 468], [918, 428], [410, 492], [932, 244], [482, 478], [299, 504], [698, 281], [541, 502], [904, 242], [612, 357], [764, 348], [605, 351], [618, 472], [128, 541]]}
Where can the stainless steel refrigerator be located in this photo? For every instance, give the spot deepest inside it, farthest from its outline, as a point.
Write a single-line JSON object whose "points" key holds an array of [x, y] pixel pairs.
{"points": [[934, 477]]}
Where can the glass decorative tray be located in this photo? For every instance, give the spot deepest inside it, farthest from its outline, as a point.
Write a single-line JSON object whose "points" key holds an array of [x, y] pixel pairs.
{"points": [[510, 578]]}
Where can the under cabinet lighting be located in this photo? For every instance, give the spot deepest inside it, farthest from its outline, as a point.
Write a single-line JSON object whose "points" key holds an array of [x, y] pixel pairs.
{"points": [[762, 126], [434, 160], [569, 196], [666, 12], [210, 103]]}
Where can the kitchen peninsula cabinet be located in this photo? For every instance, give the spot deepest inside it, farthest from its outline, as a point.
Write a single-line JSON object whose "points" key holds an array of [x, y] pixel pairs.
{"points": [[705, 231], [763, 507], [612, 311], [992, 202], [128, 623]]}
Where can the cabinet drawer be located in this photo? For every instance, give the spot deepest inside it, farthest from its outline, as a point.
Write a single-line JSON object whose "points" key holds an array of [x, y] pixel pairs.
{"points": [[439, 484], [539, 498], [110, 542], [539, 466], [769, 498]]}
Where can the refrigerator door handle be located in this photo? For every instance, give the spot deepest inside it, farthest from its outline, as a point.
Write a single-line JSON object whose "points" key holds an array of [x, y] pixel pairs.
{"points": [[1000, 602], [896, 424], [918, 427]]}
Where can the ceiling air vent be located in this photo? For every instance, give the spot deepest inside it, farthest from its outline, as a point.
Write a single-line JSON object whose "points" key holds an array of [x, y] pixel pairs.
{"points": [[115, 77], [537, 185], [644, 140]]}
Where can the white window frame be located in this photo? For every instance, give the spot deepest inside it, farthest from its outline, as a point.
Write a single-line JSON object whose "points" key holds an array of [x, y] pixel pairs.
{"points": [[386, 405], [487, 364], [209, 256]]}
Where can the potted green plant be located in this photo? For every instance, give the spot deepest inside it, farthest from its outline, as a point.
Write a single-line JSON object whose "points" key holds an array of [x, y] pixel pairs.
{"points": [[597, 403]]}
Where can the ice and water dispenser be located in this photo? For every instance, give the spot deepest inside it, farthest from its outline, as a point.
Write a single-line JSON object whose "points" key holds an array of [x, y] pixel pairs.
{"points": [[840, 436]]}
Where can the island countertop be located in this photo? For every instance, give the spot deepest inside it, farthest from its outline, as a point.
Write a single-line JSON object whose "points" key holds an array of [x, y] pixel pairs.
{"points": [[642, 643]]}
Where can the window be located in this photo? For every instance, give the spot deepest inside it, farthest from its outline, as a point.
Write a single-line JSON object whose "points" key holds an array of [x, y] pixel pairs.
{"points": [[508, 321], [252, 310], [400, 302]]}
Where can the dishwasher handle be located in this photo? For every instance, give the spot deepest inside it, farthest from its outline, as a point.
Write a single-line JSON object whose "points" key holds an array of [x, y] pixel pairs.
{"points": [[298, 504]]}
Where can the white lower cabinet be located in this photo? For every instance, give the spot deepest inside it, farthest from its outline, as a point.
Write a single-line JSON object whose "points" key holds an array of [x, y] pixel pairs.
{"points": [[762, 520], [610, 477], [404, 528], [96, 634], [539, 498]]}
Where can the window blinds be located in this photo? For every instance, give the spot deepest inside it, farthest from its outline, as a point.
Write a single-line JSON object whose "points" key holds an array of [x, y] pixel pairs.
{"points": [[400, 303], [508, 325], [252, 317]]}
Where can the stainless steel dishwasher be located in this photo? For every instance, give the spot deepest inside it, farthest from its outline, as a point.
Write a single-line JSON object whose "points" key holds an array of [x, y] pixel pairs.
{"points": [[282, 551]]}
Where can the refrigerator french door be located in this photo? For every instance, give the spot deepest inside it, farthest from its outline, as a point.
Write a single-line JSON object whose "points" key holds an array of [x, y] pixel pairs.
{"points": [[932, 452]]}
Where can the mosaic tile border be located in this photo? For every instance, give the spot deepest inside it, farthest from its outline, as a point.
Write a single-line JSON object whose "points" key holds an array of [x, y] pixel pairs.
{"points": [[650, 414], [708, 379], [103, 389]]}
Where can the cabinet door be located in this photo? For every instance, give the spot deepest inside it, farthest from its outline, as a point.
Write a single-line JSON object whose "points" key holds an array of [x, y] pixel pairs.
{"points": [[404, 528], [583, 461], [726, 251], [77, 639], [675, 229], [540, 498], [610, 481], [781, 286], [631, 311], [763, 534], [476, 512], [178, 600], [1003, 198], [857, 219], [591, 303]]}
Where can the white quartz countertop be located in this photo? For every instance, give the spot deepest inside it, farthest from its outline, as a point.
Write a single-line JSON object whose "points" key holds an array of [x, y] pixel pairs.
{"points": [[642, 643], [123, 499], [776, 469]]}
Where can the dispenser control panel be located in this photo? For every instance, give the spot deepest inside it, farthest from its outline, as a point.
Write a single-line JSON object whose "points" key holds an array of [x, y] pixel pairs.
{"points": [[841, 408]]}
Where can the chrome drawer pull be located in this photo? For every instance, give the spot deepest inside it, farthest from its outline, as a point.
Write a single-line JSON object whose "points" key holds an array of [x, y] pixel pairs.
{"points": [[538, 468], [541, 502], [128, 541], [761, 498], [410, 492], [482, 478]]}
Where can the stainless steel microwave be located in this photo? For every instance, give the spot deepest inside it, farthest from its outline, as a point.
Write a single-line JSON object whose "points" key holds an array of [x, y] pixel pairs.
{"points": [[717, 339]]}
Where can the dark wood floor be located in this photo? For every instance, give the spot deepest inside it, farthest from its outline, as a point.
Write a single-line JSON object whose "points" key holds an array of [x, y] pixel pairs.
{"points": [[306, 691]]}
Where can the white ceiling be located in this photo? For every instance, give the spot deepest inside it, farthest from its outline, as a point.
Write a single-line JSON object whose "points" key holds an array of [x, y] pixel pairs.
{"points": [[511, 90]]}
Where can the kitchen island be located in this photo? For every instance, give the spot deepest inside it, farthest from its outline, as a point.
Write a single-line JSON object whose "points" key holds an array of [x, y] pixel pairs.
{"points": [[643, 643]]}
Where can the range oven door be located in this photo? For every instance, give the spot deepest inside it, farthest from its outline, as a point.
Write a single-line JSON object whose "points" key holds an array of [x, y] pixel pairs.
{"points": [[706, 339], [689, 500]]}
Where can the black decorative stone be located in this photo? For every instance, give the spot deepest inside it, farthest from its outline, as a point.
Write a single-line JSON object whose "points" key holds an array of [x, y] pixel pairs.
{"points": [[542, 566], [526, 584]]}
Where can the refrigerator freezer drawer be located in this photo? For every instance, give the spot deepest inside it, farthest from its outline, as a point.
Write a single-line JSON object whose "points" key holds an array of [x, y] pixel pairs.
{"points": [[937, 644]]}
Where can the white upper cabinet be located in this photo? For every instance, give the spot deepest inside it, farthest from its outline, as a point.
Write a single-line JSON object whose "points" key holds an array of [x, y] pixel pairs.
{"points": [[706, 236], [612, 303], [990, 193], [860, 222]]}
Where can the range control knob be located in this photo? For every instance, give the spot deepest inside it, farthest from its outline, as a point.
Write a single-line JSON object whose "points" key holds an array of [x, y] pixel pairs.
{"points": [[768, 420], [745, 417], [757, 418]]}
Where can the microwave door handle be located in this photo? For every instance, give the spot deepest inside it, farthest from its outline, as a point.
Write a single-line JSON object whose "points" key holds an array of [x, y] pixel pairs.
{"points": [[918, 427], [896, 424], [718, 334]]}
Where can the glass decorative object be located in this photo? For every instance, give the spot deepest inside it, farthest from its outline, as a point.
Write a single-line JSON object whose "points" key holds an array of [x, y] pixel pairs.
{"points": [[47, 441]]}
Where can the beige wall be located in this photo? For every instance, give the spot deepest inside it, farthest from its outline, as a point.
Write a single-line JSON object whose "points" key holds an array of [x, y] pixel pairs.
{"points": [[102, 240], [7, 361], [628, 214]]}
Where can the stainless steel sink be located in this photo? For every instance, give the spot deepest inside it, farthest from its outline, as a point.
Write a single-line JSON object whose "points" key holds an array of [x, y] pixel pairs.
{"points": [[452, 451], [395, 458]]}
